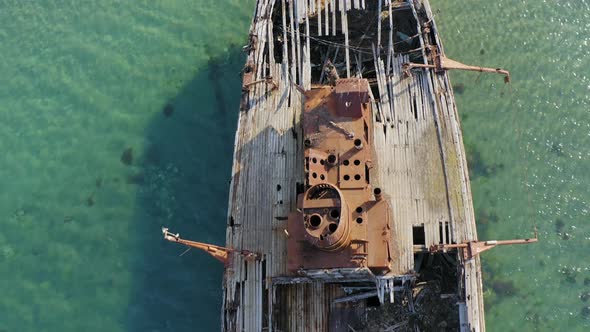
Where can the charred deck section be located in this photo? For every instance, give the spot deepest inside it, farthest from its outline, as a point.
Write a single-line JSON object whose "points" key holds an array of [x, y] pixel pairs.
{"points": [[421, 167]]}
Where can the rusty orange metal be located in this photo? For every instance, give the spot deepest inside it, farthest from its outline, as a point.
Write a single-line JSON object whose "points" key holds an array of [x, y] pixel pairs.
{"points": [[471, 249], [341, 221], [440, 64], [222, 254]]}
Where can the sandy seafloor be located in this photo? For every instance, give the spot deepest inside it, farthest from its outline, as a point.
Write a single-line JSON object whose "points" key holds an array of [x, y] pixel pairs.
{"points": [[82, 81]]}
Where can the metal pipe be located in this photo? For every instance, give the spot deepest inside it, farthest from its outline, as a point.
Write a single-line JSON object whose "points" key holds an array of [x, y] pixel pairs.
{"points": [[378, 194], [358, 144]]}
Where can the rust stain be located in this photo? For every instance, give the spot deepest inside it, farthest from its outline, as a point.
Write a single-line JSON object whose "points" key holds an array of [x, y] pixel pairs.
{"points": [[341, 220]]}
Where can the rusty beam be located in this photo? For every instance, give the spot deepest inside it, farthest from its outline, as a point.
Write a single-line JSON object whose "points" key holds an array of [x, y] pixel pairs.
{"points": [[471, 249], [222, 254], [440, 63]]}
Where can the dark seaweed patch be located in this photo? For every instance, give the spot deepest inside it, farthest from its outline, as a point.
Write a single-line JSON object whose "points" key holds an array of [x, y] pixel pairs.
{"points": [[477, 166], [556, 149], [90, 200], [459, 88], [559, 225], [569, 274], [127, 156], [484, 217], [168, 110], [559, 229], [502, 287], [20, 212]]}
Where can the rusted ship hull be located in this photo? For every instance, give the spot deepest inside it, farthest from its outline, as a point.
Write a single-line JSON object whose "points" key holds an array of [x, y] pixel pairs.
{"points": [[421, 166]]}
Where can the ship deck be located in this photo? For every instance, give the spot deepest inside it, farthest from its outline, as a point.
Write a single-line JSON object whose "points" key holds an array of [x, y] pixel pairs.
{"points": [[422, 165]]}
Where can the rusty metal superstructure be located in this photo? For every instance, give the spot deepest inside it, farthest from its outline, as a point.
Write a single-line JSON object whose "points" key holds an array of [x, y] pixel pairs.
{"points": [[341, 221], [350, 205]]}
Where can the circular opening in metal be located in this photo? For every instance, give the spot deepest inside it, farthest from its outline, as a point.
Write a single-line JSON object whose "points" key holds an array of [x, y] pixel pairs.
{"points": [[331, 159], [334, 213], [332, 227], [357, 177], [322, 191], [358, 142], [314, 160], [345, 163], [346, 177], [359, 220], [315, 220], [359, 209], [314, 175], [377, 191], [322, 161], [357, 162], [322, 177]]}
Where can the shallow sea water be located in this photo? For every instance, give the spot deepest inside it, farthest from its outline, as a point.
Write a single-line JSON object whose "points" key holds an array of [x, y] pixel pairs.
{"points": [[82, 82], [529, 147]]}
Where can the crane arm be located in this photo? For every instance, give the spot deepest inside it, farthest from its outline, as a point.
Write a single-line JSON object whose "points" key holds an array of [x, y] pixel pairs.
{"points": [[220, 253], [473, 248]]}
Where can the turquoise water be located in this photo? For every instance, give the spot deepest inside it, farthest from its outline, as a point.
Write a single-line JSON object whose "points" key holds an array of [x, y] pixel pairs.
{"points": [[529, 144], [83, 82], [80, 246]]}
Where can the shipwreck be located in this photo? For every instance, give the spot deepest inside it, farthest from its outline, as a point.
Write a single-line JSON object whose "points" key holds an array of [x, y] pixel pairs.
{"points": [[350, 206]]}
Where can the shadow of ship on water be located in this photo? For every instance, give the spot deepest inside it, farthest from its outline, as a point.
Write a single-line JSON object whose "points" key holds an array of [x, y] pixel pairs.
{"points": [[183, 184]]}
